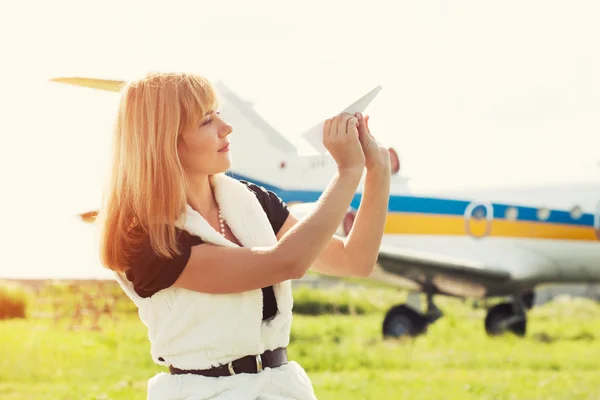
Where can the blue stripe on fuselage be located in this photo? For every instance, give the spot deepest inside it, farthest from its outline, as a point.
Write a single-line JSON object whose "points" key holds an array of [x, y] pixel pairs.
{"points": [[429, 205]]}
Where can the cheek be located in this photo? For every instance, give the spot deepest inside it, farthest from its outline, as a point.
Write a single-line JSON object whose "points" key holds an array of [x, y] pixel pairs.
{"points": [[198, 155]]}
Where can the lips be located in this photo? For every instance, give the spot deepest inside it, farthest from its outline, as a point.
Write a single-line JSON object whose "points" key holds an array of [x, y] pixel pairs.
{"points": [[224, 148]]}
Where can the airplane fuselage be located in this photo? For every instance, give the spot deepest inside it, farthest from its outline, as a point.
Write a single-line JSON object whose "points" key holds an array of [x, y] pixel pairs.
{"points": [[539, 234]]}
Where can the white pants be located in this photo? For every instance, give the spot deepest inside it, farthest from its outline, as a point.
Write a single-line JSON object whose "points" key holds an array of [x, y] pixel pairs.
{"points": [[287, 382]]}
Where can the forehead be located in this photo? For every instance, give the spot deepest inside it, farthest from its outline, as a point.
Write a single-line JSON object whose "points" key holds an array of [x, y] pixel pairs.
{"points": [[198, 100]]}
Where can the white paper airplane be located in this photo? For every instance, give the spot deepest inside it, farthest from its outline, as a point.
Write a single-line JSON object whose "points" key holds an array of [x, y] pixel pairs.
{"points": [[314, 135]]}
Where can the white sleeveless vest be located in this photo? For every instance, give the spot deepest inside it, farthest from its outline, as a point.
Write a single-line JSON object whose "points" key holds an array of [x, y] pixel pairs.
{"points": [[192, 330]]}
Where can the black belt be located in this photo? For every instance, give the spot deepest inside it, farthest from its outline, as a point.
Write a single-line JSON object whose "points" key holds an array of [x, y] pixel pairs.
{"points": [[245, 365]]}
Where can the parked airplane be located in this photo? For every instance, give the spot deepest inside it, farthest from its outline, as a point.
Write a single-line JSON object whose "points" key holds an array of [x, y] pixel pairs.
{"points": [[499, 242], [490, 243]]}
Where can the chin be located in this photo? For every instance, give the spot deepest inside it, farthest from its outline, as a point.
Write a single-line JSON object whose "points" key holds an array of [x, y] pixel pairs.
{"points": [[223, 167], [217, 165]]}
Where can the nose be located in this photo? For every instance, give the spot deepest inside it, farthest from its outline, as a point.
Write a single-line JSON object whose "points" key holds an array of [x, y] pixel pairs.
{"points": [[225, 129]]}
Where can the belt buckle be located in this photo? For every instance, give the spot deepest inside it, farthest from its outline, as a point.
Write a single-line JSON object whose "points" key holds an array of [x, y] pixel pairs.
{"points": [[259, 365], [230, 368]]}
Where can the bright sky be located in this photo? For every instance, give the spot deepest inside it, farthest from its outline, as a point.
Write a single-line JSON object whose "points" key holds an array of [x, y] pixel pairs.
{"points": [[464, 84]]}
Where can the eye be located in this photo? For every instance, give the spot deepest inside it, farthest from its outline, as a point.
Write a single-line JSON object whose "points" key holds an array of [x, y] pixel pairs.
{"points": [[210, 120]]}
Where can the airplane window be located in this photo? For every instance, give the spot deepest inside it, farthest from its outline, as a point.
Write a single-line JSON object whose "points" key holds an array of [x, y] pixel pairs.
{"points": [[543, 214], [576, 212], [479, 213], [511, 213]]}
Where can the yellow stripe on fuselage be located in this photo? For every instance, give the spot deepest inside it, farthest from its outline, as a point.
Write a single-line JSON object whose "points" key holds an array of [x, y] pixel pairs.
{"points": [[434, 224]]}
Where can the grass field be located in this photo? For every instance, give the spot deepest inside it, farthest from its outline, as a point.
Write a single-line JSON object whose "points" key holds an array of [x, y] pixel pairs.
{"points": [[344, 355]]}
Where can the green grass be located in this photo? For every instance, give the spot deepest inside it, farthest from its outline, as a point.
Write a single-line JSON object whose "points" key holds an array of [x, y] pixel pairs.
{"points": [[344, 355]]}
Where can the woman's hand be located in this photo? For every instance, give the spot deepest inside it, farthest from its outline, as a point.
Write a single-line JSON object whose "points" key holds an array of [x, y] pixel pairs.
{"points": [[341, 138], [376, 155]]}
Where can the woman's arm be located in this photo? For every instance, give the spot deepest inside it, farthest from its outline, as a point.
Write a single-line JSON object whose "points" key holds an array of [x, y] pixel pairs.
{"points": [[364, 239], [356, 254], [216, 269]]}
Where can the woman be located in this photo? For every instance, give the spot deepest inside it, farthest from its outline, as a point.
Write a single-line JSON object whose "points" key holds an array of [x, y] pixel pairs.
{"points": [[208, 259]]}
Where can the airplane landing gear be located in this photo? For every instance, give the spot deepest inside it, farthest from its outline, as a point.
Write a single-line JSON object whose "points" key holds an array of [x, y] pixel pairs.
{"points": [[528, 299], [403, 320], [506, 317]]}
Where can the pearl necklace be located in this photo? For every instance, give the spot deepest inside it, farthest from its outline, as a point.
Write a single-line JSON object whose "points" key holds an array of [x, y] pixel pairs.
{"points": [[221, 222]]}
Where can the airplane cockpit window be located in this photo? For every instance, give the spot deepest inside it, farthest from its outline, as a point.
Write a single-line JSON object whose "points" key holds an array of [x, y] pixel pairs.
{"points": [[576, 212], [543, 214], [511, 213]]}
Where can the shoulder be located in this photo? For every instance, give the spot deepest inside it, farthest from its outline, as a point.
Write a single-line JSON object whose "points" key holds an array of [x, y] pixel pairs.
{"points": [[275, 208], [150, 272], [264, 196], [258, 190]]}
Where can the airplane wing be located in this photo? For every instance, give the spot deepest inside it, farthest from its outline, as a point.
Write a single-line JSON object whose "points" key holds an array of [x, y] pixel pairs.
{"points": [[448, 275], [94, 83]]}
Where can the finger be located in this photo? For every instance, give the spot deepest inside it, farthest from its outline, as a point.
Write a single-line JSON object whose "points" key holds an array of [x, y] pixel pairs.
{"points": [[343, 123], [363, 135], [327, 127], [334, 126], [351, 126], [367, 123], [362, 125]]}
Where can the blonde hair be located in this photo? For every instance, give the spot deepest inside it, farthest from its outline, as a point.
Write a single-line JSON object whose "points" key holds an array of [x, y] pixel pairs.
{"points": [[146, 191]]}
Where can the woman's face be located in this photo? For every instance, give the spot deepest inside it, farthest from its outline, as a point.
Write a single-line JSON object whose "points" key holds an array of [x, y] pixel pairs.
{"points": [[204, 149]]}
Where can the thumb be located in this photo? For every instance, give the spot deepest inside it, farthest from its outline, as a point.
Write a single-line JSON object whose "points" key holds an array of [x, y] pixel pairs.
{"points": [[367, 123], [363, 134]]}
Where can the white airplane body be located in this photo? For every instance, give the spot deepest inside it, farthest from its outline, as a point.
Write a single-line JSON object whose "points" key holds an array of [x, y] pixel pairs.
{"points": [[478, 244], [534, 233], [489, 243]]}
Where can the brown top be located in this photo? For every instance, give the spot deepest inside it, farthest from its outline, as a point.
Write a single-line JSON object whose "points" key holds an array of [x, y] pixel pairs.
{"points": [[150, 273]]}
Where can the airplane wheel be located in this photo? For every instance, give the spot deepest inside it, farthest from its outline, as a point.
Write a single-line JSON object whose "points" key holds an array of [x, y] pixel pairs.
{"points": [[528, 299], [403, 321], [498, 320]]}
